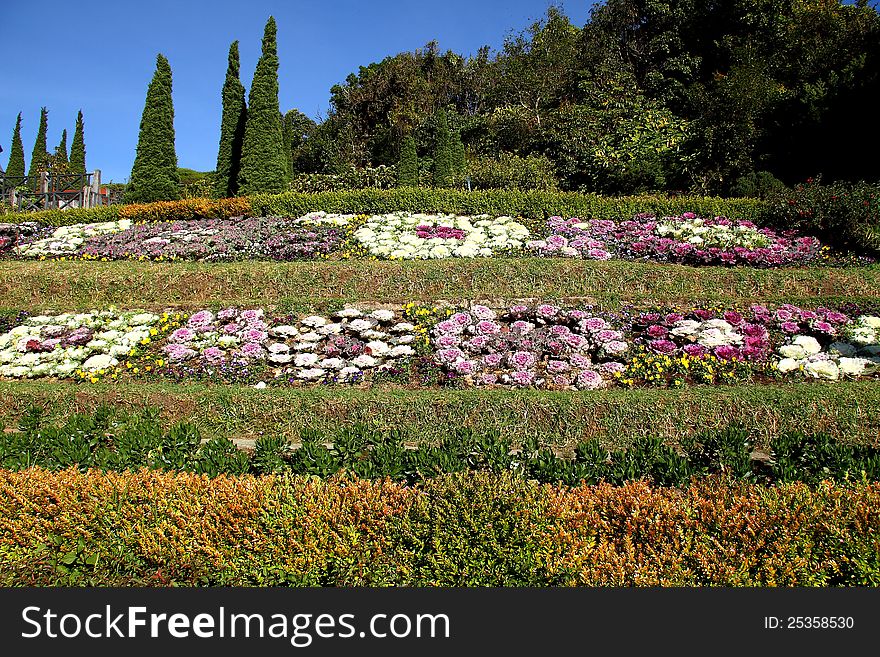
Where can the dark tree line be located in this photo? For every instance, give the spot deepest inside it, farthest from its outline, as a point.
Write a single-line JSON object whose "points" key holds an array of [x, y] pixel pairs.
{"points": [[648, 95]]}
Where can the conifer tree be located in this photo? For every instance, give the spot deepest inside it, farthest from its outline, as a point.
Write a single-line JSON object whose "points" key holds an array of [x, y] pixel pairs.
{"points": [[78, 147], [15, 167], [263, 166], [231, 129], [39, 156], [408, 167], [459, 158], [61, 149], [154, 175], [443, 169]]}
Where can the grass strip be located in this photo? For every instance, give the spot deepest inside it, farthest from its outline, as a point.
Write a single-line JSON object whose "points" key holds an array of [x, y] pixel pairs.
{"points": [[848, 411], [313, 285]]}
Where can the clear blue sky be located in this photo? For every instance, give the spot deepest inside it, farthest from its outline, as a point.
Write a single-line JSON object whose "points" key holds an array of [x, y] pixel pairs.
{"points": [[100, 58]]}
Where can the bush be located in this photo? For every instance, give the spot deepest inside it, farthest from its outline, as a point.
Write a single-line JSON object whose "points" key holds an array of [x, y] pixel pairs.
{"points": [[508, 171], [111, 442], [475, 529], [381, 177], [758, 184], [846, 215], [532, 204]]}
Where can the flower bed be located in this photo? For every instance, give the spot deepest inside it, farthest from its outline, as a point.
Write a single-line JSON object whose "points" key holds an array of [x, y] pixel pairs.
{"points": [[685, 239], [68, 240], [407, 236], [217, 239], [542, 345]]}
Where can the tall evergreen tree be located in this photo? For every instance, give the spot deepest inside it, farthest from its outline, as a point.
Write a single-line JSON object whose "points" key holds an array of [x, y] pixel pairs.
{"points": [[443, 166], [61, 149], [263, 167], [408, 167], [154, 175], [39, 156], [459, 158], [15, 167], [231, 129], [78, 147]]}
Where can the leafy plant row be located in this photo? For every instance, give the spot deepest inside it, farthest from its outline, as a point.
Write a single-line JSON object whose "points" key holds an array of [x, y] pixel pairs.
{"points": [[536, 205], [468, 529], [117, 443]]}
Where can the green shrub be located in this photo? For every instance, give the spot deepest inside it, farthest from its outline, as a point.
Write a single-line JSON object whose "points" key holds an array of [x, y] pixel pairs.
{"points": [[509, 171], [381, 177], [148, 528], [845, 215], [118, 442], [536, 205], [758, 184]]}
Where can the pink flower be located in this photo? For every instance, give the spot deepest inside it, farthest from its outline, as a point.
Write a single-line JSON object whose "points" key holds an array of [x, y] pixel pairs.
{"points": [[465, 367], [522, 378], [790, 327], [522, 359], [694, 350], [492, 360], [656, 331], [462, 319], [488, 379], [450, 355], [448, 341], [589, 379], [663, 346], [487, 327], [557, 366], [181, 335]]}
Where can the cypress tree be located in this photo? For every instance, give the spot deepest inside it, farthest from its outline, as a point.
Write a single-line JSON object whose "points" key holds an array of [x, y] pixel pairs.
{"points": [[15, 167], [263, 166], [459, 159], [39, 156], [287, 138], [61, 149], [154, 175], [78, 147], [443, 172], [231, 129], [408, 167]]}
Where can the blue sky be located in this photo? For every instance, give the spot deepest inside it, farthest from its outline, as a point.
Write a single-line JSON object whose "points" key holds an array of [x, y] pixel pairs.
{"points": [[106, 72]]}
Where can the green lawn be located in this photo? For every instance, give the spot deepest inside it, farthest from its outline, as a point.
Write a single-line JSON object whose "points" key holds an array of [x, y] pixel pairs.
{"points": [[313, 285], [849, 411]]}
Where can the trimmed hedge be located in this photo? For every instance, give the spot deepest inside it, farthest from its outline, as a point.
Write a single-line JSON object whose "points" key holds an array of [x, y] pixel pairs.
{"points": [[150, 528], [535, 205], [848, 411]]}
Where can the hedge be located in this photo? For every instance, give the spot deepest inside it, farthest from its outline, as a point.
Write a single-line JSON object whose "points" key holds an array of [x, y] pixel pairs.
{"points": [[535, 205], [150, 528], [847, 411], [115, 441]]}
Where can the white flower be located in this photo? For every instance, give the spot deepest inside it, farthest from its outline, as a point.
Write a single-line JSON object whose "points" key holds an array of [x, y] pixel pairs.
{"points": [[852, 366], [382, 315], [809, 344], [685, 327], [349, 372], [402, 350], [278, 348], [332, 364], [330, 329], [260, 386], [310, 337], [792, 351], [870, 321], [280, 358], [787, 365], [311, 374], [286, 331], [373, 334], [99, 362], [402, 327], [364, 360], [348, 313], [314, 321], [378, 347], [359, 325], [305, 360], [822, 369], [142, 318], [227, 341]]}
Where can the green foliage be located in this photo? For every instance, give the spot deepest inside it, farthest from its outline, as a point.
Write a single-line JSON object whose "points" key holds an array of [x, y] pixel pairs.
{"points": [[78, 147], [39, 155], [232, 126], [61, 149], [15, 167], [444, 173], [381, 177], [758, 184], [196, 184], [842, 214], [264, 164], [408, 167], [508, 171], [114, 441], [297, 128], [154, 174]]}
